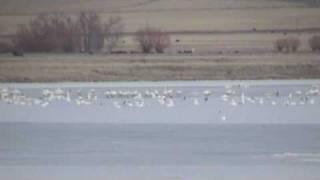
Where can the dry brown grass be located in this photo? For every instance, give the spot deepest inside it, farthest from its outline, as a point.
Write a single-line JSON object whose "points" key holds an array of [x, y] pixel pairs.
{"points": [[209, 18], [51, 68]]}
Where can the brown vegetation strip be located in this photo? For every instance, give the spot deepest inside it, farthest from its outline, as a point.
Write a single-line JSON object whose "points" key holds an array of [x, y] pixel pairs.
{"points": [[92, 68], [221, 32]]}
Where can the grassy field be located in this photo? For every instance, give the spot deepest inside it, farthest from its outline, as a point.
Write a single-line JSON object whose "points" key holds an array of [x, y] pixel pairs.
{"points": [[235, 55], [213, 44], [175, 15], [35, 6], [53, 68]]}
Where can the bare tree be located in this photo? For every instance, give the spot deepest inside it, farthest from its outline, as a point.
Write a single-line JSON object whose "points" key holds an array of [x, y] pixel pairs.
{"points": [[57, 32], [113, 31], [47, 33], [91, 30]]}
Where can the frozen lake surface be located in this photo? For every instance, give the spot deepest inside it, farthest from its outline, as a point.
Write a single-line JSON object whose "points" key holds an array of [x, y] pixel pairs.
{"points": [[237, 130], [159, 151]]}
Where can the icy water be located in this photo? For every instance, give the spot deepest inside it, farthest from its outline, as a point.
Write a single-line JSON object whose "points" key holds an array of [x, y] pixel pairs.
{"points": [[159, 151], [259, 130]]}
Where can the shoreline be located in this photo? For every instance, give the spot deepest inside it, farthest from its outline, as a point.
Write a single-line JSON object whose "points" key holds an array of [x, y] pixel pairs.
{"points": [[157, 84]]}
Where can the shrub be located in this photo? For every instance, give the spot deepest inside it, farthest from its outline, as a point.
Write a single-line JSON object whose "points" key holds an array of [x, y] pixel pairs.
{"points": [[294, 44], [161, 41], [280, 44], [287, 44], [152, 39], [145, 39], [314, 43]]}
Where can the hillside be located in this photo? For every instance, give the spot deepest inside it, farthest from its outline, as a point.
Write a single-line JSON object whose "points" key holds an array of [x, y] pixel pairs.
{"points": [[36, 6], [175, 15]]}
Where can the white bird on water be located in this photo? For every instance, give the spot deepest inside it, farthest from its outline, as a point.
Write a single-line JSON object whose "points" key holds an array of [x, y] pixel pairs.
{"points": [[243, 98], [196, 101], [231, 92], [251, 100], [207, 92], [140, 104], [311, 101], [233, 103], [224, 97], [68, 97], [223, 118], [116, 105], [261, 101], [170, 103], [45, 104]]}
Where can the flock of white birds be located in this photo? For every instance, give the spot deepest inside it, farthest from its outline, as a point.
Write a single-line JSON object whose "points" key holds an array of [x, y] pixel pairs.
{"points": [[234, 96]]}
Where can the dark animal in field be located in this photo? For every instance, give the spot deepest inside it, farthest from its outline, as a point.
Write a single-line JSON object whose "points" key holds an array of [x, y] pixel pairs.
{"points": [[186, 51], [135, 52], [314, 43], [17, 52], [119, 52]]}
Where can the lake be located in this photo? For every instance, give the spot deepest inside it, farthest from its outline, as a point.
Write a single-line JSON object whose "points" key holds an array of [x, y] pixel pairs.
{"points": [[236, 130]]}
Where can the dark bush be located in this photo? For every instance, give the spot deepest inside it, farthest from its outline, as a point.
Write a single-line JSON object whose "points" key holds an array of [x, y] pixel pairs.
{"points": [[5, 47], [314, 43], [145, 39], [152, 39], [161, 41], [287, 44]]}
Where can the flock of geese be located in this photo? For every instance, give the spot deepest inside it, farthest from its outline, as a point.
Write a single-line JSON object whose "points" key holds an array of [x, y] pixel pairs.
{"points": [[234, 96]]}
